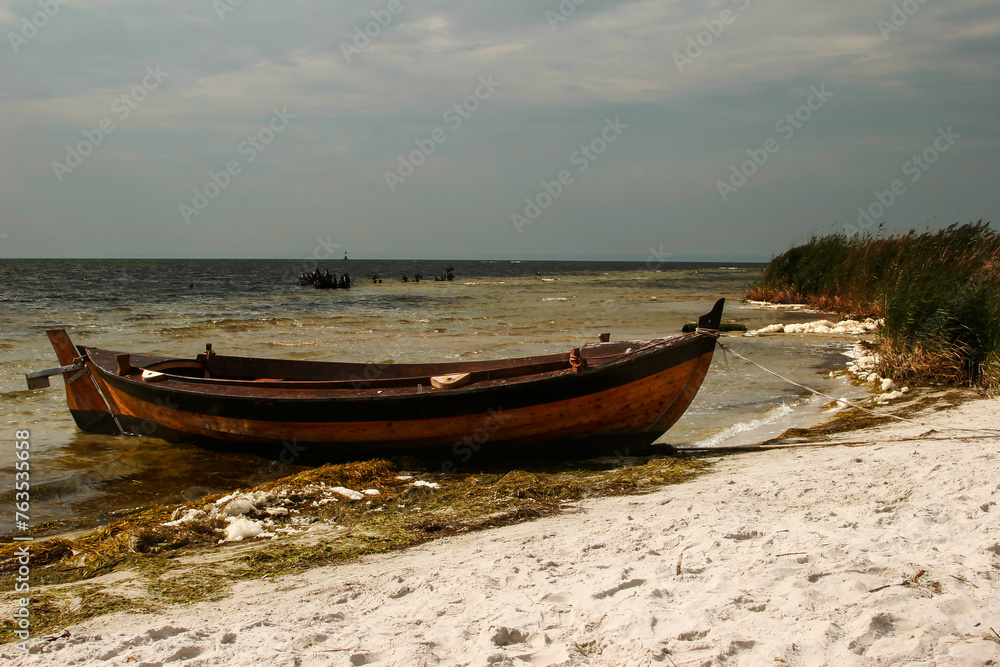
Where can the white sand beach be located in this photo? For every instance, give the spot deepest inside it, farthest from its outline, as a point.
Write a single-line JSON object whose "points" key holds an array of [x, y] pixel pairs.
{"points": [[885, 553]]}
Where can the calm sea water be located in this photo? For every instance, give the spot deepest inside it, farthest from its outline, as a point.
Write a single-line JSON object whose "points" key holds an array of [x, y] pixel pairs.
{"points": [[255, 308]]}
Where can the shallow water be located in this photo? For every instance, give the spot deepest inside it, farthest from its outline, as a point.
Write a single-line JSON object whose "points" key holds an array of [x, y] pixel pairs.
{"points": [[255, 308]]}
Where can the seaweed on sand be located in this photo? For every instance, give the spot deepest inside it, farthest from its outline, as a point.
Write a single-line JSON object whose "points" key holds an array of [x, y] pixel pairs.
{"points": [[76, 579]]}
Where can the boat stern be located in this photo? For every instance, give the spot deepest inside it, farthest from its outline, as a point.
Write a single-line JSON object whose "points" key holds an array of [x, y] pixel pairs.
{"points": [[86, 404]]}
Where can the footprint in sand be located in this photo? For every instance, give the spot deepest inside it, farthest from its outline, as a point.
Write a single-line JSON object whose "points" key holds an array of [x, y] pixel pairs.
{"points": [[154, 634], [736, 646], [744, 535], [631, 583], [505, 636], [879, 626], [165, 632], [185, 653]]}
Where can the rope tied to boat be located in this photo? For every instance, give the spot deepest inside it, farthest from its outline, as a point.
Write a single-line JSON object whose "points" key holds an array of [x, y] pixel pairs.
{"points": [[711, 333], [729, 350]]}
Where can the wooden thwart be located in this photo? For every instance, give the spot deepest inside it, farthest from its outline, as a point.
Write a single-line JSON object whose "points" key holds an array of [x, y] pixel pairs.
{"points": [[452, 381]]}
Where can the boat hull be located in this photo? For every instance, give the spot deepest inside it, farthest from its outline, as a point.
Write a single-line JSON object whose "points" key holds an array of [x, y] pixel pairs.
{"points": [[646, 407], [623, 392]]}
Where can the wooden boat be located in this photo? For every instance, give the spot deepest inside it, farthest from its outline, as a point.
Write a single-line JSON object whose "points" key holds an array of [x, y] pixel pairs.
{"points": [[626, 393]]}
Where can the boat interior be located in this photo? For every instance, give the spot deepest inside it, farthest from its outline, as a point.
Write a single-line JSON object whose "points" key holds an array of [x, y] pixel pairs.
{"points": [[213, 368]]}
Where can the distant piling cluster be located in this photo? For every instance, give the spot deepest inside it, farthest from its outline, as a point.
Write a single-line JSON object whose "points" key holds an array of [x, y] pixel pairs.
{"points": [[325, 280], [449, 274]]}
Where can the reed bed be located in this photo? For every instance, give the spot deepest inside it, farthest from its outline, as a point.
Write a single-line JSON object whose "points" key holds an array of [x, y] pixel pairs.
{"points": [[938, 293]]}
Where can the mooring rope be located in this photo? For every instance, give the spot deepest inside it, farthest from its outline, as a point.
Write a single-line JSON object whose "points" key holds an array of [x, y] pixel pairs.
{"points": [[728, 350], [631, 351], [711, 333]]}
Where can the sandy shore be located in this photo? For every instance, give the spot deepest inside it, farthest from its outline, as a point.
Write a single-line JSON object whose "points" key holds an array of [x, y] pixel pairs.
{"points": [[886, 553]]}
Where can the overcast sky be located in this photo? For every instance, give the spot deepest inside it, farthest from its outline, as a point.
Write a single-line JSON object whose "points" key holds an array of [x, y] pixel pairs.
{"points": [[114, 117]]}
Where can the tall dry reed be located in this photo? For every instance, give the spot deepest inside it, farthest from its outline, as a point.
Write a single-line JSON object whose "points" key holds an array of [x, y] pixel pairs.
{"points": [[938, 292]]}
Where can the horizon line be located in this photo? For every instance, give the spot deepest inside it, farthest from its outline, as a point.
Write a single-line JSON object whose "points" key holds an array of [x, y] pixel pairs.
{"points": [[670, 260]]}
